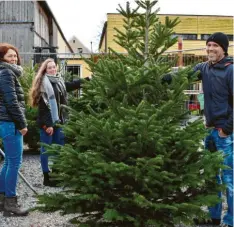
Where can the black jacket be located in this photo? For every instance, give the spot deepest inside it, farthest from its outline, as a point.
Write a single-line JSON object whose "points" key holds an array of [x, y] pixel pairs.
{"points": [[44, 115], [217, 83], [12, 104]]}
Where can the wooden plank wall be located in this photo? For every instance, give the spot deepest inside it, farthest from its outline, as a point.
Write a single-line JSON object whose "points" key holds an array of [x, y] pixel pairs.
{"points": [[16, 20], [41, 27], [19, 36], [54, 34], [25, 24], [16, 11]]}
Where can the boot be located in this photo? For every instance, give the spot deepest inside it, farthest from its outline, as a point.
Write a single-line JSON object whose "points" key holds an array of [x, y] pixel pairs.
{"points": [[214, 222], [12, 208], [2, 197], [48, 182]]}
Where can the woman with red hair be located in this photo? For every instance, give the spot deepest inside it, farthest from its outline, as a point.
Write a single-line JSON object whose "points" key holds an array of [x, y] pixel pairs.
{"points": [[13, 127]]}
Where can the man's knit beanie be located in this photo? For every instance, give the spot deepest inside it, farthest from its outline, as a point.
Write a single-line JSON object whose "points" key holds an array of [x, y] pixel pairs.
{"points": [[221, 39]]}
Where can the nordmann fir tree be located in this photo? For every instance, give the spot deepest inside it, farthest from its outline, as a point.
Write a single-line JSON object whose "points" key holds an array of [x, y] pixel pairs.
{"points": [[131, 163]]}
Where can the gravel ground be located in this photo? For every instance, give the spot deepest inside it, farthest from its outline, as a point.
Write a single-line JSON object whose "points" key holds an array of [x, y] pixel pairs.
{"points": [[31, 170]]}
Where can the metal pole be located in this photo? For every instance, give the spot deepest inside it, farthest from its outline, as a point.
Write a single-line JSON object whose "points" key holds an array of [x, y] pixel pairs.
{"points": [[180, 54], [21, 175]]}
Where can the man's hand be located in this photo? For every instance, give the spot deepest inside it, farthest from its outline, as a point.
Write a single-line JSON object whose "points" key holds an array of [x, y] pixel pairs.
{"points": [[50, 131], [23, 131], [222, 134]]}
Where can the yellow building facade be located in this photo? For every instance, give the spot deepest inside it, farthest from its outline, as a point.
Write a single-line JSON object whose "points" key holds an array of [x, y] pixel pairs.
{"points": [[194, 30]]}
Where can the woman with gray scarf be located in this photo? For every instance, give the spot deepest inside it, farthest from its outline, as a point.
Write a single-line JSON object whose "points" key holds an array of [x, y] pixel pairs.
{"points": [[48, 94], [13, 127]]}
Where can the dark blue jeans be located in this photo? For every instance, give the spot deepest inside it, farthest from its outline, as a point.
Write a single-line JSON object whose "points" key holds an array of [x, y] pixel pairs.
{"points": [[224, 145], [57, 138], [13, 148]]}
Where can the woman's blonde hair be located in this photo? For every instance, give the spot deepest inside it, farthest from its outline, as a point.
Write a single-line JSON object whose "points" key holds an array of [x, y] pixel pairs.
{"points": [[35, 92]]}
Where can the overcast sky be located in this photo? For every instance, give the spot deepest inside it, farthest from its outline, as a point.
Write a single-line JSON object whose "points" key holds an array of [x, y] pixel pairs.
{"points": [[85, 18]]}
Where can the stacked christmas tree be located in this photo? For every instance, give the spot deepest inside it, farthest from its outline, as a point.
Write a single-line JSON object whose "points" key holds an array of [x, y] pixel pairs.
{"points": [[129, 162]]}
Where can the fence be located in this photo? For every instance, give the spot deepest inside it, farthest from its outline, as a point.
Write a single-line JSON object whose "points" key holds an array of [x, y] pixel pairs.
{"points": [[74, 64], [188, 57], [179, 57]]}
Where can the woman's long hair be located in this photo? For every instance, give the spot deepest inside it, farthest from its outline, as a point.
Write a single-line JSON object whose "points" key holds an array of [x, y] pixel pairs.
{"points": [[4, 47], [35, 92]]}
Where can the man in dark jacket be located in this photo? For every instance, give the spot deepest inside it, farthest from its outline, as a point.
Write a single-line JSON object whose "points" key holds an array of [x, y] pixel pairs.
{"points": [[217, 79]]}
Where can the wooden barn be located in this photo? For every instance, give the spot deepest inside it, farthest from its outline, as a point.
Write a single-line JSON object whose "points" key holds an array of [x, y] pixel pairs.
{"points": [[32, 28]]}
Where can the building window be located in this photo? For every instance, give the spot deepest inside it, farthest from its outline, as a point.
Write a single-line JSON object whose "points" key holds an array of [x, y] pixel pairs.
{"points": [[80, 50], [75, 70], [186, 36], [74, 41], [230, 37], [75, 73], [206, 36]]}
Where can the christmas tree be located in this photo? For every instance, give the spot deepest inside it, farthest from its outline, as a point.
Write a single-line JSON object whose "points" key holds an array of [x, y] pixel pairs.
{"points": [[130, 162]]}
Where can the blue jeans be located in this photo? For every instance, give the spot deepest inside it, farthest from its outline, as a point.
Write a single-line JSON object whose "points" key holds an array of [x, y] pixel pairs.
{"points": [[13, 148], [224, 145], [57, 138]]}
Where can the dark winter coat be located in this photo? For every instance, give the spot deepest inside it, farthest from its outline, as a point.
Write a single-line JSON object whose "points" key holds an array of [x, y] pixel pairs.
{"points": [[217, 83], [44, 114], [12, 104]]}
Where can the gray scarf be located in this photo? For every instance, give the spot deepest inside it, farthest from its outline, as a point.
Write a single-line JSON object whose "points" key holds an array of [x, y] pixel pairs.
{"points": [[49, 98], [17, 69], [60, 82]]}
